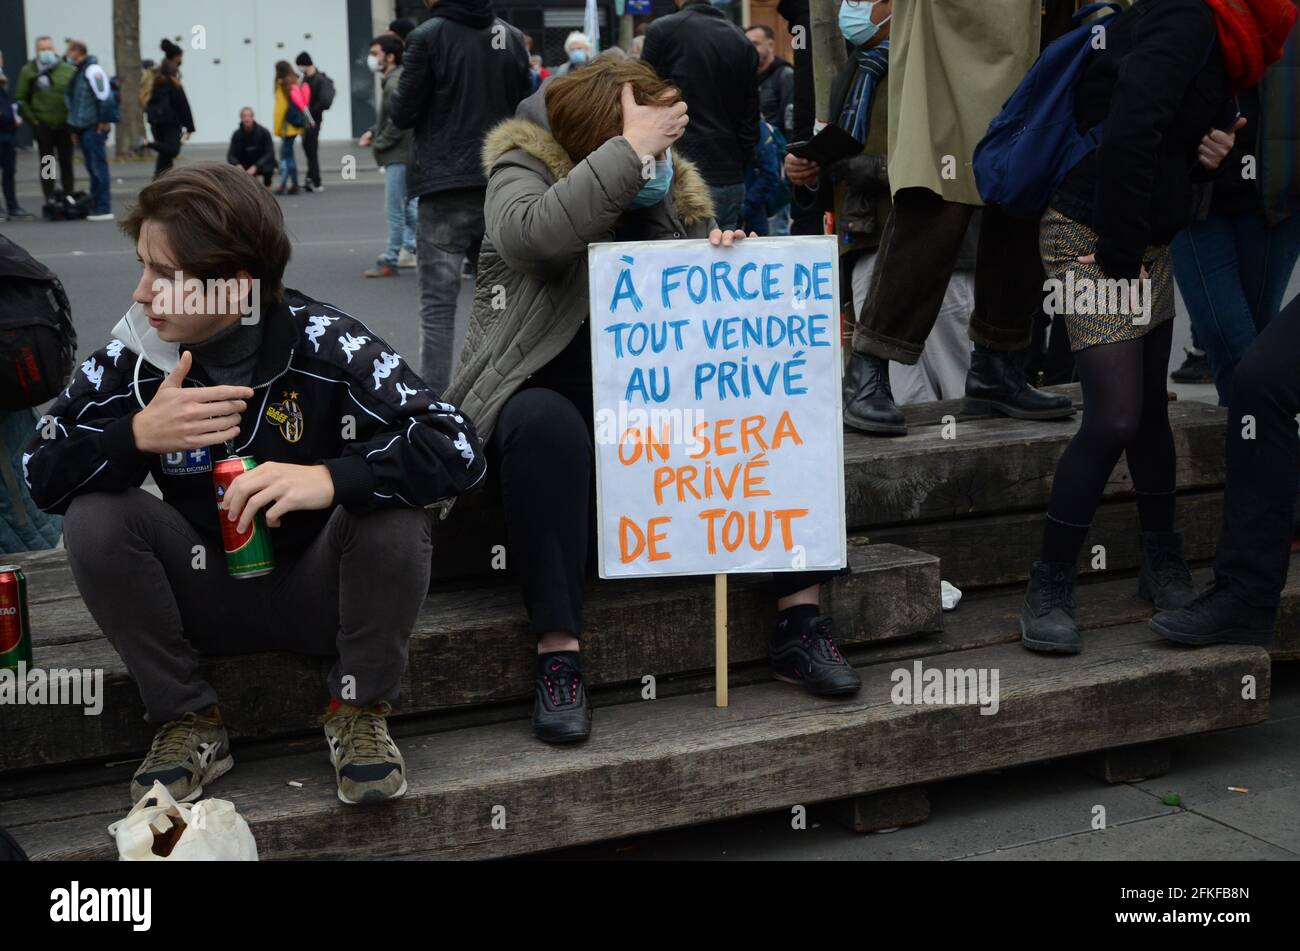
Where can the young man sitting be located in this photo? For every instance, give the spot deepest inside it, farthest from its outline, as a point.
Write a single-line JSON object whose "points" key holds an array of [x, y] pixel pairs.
{"points": [[350, 446]]}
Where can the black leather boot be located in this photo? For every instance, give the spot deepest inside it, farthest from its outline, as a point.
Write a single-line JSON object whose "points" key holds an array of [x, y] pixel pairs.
{"points": [[1217, 617], [868, 401], [996, 383], [1047, 621], [1164, 578]]}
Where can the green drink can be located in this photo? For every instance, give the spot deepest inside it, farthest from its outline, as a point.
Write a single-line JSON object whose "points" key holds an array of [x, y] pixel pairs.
{"points": [[15, 628], [248, 553]]}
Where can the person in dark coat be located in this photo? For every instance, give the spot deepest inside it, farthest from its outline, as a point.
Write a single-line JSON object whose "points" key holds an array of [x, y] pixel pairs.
{"points": [[252, 148], [709, 59], [170, 118], [463, 71]]}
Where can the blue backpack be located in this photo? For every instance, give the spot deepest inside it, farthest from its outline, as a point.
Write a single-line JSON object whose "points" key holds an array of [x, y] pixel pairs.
{"points": [[1034, 141]]}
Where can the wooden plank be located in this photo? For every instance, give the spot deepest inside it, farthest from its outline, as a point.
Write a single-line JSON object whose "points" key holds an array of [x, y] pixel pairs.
{"points": [[470, 648], [998, 549], [672, 763], [1130, 764], [999, 465], [883, 811]]}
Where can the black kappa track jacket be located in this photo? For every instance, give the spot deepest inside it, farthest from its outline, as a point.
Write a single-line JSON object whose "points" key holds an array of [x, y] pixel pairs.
{"points": [[326, 390]]}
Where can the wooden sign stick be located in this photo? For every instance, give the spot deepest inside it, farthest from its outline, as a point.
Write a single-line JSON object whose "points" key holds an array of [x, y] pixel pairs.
{"points": [[720, 639]]}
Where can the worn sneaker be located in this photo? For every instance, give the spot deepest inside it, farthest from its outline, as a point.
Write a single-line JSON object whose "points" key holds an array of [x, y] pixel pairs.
{"points": [[380, 270], [803, 652], [368, 766], [562, 707], [106, 216], [186, 754], [406, 258]]}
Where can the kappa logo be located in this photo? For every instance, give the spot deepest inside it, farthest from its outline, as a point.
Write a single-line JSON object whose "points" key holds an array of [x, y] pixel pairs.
{"points": [[351, 344], [114, 349], [384, 367], [405, 392], [466, 450], [93, 372], [316, 327], [287, 416]]}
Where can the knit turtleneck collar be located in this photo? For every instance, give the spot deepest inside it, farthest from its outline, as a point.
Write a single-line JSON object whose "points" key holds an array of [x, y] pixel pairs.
{"points": [[229, 356]]}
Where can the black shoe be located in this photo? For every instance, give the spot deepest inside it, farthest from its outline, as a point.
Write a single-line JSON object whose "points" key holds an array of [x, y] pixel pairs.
{"points": [[1195, 369], [1216, 617], [997, 382], [803, 652], [308, 187], [1047, 621], [868, 401], [1164, 578], [562, 711]]}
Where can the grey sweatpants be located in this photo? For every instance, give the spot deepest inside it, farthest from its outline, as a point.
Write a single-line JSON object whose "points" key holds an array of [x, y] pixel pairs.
{"points": [[163, 597]]}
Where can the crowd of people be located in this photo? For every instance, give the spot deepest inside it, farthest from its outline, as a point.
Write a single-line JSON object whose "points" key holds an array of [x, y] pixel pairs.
{"points": [[488, 161]]}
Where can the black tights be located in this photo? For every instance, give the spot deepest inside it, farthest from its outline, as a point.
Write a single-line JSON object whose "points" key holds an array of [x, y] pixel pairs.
{"points": [[1125, 410]]}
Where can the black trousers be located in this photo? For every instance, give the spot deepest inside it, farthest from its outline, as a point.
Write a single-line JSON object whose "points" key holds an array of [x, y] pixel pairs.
{"points": [[57, 143], [353, 593], [311, 146], [918, 251], [543, 453], [167, 143], [1263, 465]]}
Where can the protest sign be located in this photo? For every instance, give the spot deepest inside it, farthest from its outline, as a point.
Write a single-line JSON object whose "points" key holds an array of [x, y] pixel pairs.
{"points": [[719, 441]]}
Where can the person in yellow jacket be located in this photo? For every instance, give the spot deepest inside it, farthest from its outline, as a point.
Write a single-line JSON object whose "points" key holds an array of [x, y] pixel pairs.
{"points": [[292, 99]]}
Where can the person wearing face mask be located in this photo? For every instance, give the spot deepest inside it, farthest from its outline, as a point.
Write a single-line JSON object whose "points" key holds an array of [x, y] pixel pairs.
{"points": [[392, 153], [567, 171], [577, 51], [42, 85]]}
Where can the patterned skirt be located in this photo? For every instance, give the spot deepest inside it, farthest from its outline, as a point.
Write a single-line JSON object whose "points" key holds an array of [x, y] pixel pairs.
{"points": [[1098, 309]]}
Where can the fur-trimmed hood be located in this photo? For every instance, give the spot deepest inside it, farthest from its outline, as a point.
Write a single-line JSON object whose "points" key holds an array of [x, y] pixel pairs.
{"points": [[530, 132]]}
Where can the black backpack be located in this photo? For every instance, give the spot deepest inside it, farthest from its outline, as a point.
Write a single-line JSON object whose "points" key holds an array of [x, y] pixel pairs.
{"points": [[37, 341], [326, 87]]}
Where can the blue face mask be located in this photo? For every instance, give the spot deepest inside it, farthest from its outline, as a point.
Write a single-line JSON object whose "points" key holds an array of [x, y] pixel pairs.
{"points": [[577, 57], [855, 22], [656, 189], [47, 57]]}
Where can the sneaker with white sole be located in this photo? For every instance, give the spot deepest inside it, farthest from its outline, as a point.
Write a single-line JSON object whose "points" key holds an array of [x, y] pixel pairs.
{"points": [[406, 258], [106, 216], [186, 754], [368, 766]]}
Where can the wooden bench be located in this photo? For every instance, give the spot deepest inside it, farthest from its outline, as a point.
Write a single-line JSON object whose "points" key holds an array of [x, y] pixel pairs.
{"points": [[976, 501]]}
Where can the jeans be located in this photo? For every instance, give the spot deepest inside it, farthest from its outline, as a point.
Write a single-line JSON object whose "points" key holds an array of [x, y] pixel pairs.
{"points": [[728, 204], [450, 229], [96, 157], [288, 164], [353, 592], [1232, 273], [1262, 472], [401, 213], [8, 161]]}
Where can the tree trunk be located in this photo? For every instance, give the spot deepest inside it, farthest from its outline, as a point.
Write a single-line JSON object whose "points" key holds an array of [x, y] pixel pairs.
{"points": [[828, 52], [126, 56]]}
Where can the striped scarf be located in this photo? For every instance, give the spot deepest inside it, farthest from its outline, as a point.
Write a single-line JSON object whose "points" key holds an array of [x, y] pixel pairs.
{"points": [[872, 65]]}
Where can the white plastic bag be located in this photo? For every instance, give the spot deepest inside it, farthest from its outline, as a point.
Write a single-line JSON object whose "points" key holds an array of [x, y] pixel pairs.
{"points": [[950, 595], [160, 829]]}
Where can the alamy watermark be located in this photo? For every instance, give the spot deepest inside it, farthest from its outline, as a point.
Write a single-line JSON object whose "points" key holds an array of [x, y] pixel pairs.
{"points": [[57, 686]]}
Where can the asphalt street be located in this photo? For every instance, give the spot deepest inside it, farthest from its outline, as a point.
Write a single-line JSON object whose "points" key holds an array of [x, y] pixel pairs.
{"points": [[337, 234]]}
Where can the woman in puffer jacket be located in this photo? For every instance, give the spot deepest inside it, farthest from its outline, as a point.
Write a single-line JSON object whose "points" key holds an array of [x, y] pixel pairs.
{"points": [[567, 171]]}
